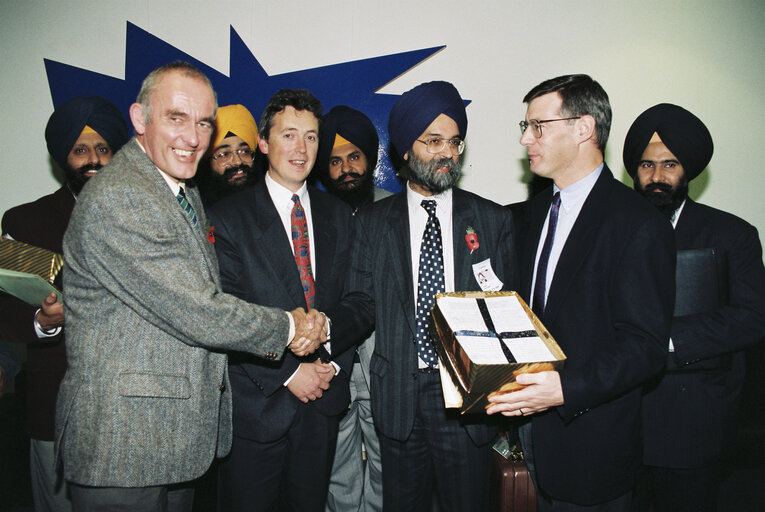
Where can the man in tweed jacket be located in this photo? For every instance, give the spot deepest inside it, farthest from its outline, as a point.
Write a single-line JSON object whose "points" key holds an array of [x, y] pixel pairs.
{"points": [[145, 403]]}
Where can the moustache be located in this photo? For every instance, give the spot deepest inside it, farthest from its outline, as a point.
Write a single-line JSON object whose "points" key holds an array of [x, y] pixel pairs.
{"points": [[659, 187], [231, 171], [88, 167], [342, 178]]}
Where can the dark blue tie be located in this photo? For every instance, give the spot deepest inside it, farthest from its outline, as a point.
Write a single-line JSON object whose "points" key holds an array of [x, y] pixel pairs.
{"points": [[540, 284], [430, 281]]}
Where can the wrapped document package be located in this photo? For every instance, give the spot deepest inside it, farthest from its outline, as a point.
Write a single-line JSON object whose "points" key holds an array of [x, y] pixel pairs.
{"points": [[484, 340], [21, 257], [28, 272]]}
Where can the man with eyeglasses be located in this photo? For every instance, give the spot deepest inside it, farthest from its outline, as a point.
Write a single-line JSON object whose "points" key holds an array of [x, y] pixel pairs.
{"points": [[689, 411], [409, 247], [280, 243], [231, 157], [600, 275]]}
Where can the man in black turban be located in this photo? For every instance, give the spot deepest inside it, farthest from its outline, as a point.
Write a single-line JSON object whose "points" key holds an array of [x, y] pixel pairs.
{"points": [[346, 163], [689, 411], [348, 156], [82, 135], [430, 237]]}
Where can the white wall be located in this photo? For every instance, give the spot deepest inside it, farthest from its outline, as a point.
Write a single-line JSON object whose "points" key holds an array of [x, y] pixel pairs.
{"points": [[707, 56]]}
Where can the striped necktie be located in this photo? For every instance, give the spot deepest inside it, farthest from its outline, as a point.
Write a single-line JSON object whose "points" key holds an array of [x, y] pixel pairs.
{"points": [[181, 197]]}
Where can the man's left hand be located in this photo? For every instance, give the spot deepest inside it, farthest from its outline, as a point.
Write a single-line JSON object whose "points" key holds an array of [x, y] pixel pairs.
{"points": [[542, 390], [51, 315]]}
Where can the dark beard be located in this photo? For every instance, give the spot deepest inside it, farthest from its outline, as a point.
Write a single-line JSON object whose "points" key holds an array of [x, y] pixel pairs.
{"points": [[214, 186], [225, 178], [666, 199], [76, 178], [356, 193], [424, 173]]}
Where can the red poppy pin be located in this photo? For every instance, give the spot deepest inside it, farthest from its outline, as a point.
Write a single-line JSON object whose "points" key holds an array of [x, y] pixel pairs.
{"points": [[472, 239], [211, 234]]}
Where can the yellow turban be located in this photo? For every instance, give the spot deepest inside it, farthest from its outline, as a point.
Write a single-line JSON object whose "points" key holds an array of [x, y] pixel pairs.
{"points": [[237, 120]]}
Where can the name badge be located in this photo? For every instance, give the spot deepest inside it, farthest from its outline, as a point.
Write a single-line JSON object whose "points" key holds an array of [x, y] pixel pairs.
{"points": [[485, 276]]}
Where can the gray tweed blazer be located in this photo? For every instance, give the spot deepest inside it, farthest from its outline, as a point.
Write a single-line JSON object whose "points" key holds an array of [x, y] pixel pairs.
{"points": [[145, 400]]}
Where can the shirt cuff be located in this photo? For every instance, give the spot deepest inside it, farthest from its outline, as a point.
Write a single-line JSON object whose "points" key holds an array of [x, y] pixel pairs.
{"points": [[42, 333], [292, 327]]}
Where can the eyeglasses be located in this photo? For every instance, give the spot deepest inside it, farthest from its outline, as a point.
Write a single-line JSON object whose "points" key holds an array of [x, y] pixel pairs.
{"points": [[227, 155], [537, 125], [436, 145]]}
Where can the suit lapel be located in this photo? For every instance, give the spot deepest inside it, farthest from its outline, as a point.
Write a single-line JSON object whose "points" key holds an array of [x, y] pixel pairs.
{"points": [[687, 225], [395, 237], [578, 244], [197, 236], [462, 217], [271, 239], [539, 207], [325, 238]]}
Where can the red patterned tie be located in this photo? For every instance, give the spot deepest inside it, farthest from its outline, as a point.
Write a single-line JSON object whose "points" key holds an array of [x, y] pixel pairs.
{"points": [[302, 250]]}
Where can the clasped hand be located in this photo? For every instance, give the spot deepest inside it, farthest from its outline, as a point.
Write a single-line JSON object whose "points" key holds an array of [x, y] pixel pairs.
{"points": [[310, 331]]}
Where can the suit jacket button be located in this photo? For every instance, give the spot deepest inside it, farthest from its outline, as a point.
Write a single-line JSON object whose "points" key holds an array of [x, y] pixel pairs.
{"points": [[222, 387]]}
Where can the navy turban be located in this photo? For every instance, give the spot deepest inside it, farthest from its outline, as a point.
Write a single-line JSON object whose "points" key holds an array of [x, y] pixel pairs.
{"points": [[352, 126], [68, 120], [683, 133], [417, 108]]}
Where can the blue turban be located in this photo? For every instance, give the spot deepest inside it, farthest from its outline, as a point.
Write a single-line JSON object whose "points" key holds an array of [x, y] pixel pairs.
{"points": [[417, 108], [683, 133], [68, 120], [352, 126]]}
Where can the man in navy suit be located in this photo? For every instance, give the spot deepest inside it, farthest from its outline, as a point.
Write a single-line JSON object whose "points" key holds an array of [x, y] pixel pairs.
{"points": [[689, 411], [402, 241], [286, 413], [598, 269]]}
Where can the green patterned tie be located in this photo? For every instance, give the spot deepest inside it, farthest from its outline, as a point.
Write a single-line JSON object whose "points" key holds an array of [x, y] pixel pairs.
{"points": [[181, 197]]}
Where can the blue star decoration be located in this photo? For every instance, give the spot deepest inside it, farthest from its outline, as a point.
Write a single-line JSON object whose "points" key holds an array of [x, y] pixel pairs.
{"points": [[350, 83]]}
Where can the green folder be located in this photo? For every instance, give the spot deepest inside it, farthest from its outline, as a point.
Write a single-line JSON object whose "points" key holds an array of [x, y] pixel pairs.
{"points": [[30, 288]]}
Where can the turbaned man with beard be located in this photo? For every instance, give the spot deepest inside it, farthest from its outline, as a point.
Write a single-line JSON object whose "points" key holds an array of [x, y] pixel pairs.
{"points": [[230, 160], [689, 411], [82, 135], [347, 156], [408, 247], [346, 163]]}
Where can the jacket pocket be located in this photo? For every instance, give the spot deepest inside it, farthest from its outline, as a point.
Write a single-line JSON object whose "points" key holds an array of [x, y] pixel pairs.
{"points": [[156, 385], [378, 365]]}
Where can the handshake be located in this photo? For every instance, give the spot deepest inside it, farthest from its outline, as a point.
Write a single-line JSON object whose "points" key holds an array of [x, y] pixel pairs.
{"points": [[310, 331]]}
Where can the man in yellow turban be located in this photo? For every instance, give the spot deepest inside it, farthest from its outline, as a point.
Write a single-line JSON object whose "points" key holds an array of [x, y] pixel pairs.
{"points": [[231, 154]]}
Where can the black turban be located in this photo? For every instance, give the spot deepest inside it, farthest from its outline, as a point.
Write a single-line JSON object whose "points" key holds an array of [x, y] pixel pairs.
{"points": [[68, 120], [417, 108], [354, 127], [683, 133]]}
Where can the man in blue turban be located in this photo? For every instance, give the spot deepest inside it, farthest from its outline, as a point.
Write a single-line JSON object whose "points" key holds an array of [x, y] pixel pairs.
{"points": [[409, 247], [82, 135], [689, 411]]}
